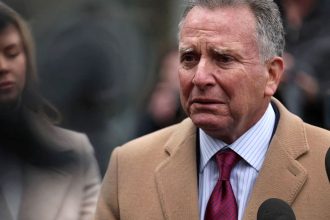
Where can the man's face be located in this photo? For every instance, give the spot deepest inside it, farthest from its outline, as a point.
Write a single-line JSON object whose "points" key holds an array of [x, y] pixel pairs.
{"points": [[225, 87], [12, 65]]}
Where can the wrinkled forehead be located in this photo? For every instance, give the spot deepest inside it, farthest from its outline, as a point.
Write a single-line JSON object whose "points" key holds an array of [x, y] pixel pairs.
{"points": [[238, 20]]}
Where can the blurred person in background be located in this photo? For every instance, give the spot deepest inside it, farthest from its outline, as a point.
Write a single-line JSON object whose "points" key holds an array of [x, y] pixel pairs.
{"points": [[306, 83], [81, 73], [163, 107], [45, 172], [96, 62]]}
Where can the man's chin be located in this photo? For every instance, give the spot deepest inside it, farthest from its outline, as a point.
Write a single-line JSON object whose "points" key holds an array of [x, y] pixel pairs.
{"points": [[210, 123]]}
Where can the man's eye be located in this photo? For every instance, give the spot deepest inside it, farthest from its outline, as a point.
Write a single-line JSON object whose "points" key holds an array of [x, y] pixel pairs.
{"points": [[224, 58], [189, 59]]}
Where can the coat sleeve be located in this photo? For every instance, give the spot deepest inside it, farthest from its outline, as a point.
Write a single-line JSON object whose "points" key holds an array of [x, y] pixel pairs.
{"points": [[107, 206]]}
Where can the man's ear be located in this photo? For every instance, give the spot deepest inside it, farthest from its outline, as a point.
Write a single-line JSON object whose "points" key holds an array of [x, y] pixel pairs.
{"points": [[275, 68]]}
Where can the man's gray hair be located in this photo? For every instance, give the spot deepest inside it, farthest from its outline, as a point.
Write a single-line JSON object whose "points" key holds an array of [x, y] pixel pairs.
{"points": [[270, 32]]}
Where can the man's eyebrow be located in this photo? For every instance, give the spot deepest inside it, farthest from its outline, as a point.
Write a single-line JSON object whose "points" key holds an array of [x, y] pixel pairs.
{"points": [[221, 50], [226, 51], [185, 49]]}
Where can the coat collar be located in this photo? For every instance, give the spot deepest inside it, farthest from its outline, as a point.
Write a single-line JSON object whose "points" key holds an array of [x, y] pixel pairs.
{"points": [[45, 185], [43, 192], [281, 176], [176, 176]]}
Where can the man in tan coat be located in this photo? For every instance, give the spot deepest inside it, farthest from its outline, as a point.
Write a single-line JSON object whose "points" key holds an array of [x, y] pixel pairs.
{"points": [[230, 67]]}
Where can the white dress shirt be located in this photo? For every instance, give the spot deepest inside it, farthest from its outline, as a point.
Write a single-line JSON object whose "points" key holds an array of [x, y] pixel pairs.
{"points": [[251, 146]]}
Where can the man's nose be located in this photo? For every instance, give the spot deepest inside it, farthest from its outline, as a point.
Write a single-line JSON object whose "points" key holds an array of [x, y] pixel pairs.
{"points": [[204, 75]]}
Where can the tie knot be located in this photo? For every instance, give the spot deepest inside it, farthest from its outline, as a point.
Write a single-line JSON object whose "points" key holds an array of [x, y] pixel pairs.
{"points": [[226, 160]]}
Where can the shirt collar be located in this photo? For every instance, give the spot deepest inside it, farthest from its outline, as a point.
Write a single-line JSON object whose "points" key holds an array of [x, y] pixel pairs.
{"points": [[251, 146]]}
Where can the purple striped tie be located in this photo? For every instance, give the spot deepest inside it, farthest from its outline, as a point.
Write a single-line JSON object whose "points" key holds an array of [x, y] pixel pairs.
{"points": [[222, 203]]}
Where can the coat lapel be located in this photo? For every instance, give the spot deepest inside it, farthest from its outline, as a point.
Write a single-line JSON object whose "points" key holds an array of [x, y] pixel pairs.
{"points": [[43, 192], [281, 176], [176, 176]]}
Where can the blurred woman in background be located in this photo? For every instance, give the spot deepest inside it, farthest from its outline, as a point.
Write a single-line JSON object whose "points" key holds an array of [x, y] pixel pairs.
{"points": [[45, 172]]}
